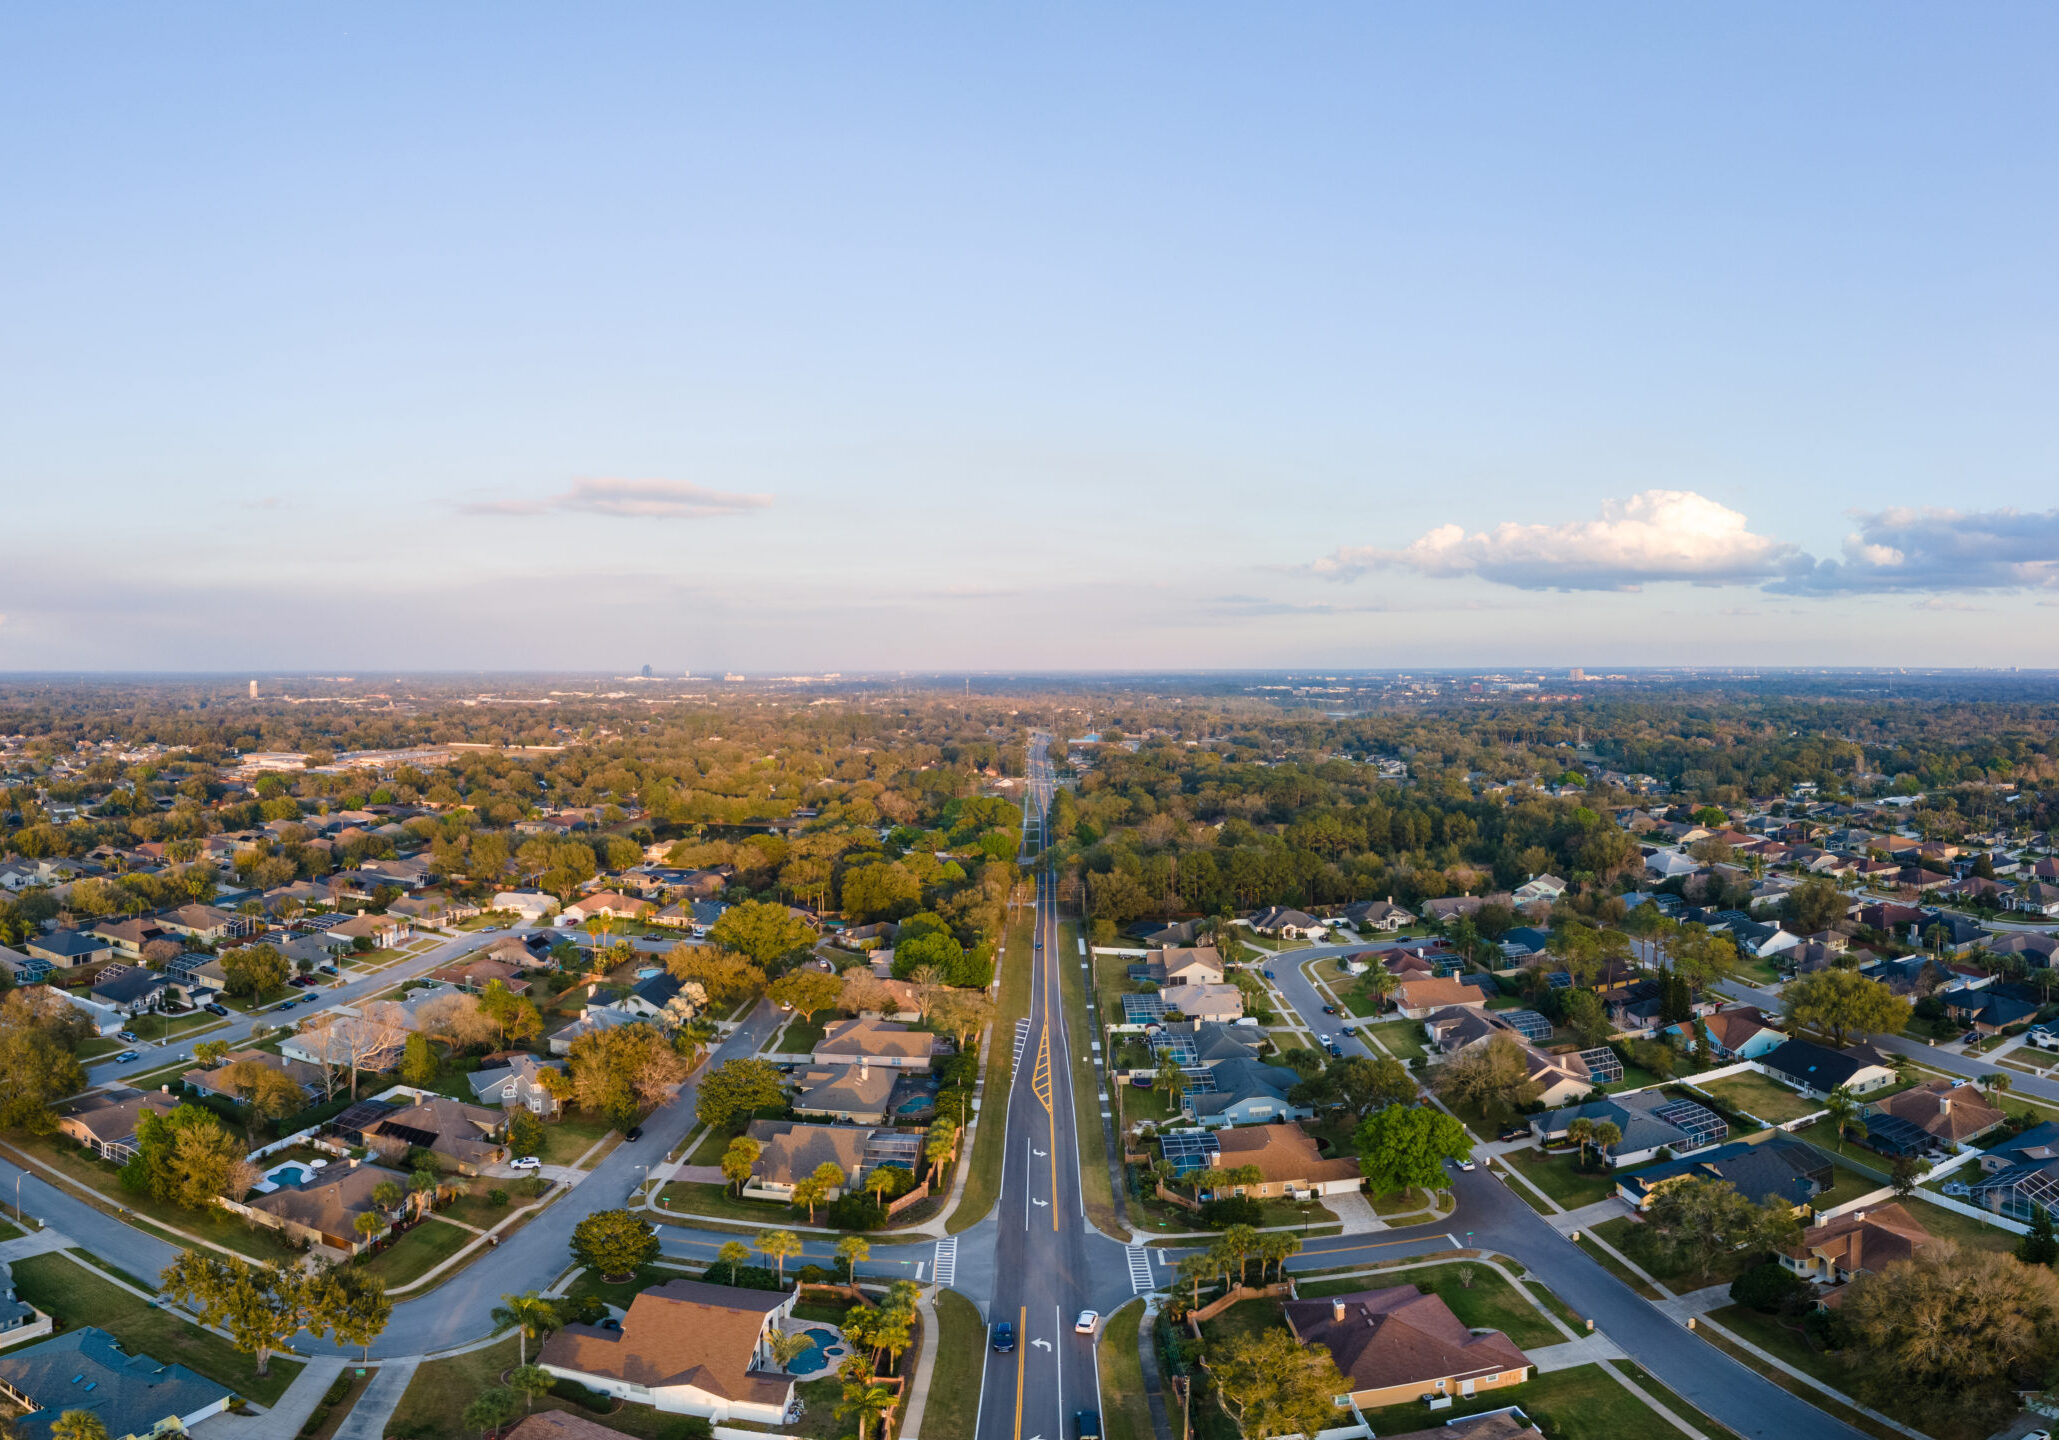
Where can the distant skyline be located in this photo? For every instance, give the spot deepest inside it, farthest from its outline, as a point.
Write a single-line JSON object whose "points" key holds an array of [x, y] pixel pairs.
{"points": [[942, 340]]}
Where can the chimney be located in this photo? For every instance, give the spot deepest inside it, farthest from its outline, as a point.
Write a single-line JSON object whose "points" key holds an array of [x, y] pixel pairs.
{"points": [[864, 1066], [1337, 1311]]}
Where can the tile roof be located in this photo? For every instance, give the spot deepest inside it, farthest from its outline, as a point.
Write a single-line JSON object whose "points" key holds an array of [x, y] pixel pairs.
{"points": [[1863, 1239], [684, 1332], [1281, 1153], [1950, 1112], [1399, 1336]]}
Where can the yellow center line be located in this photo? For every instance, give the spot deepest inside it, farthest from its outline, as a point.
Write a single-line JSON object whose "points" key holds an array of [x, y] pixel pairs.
{"points": [[1021, 1355]]}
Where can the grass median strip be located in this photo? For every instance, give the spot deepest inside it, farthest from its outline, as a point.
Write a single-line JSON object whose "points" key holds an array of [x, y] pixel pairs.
{"points": [[1096, 1185], [989, 1146], [954, 1385]]}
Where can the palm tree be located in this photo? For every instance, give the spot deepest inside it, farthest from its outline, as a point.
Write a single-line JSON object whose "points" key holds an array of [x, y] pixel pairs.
{"points": [[423, 1184], [779, 1244], [387, 1195], [78, 1425], [1606, 1133], [1377, 984], [1170, 1081], [1240, 1241], [866, 1401], [1192, 1271], [787, 1346], [1994, 1082], [367, 1224], [1580, 1130], [853, 1248], [1276, 1247], [532, 1316], [530, 1381], [1843, 1109], [733, 1253]]}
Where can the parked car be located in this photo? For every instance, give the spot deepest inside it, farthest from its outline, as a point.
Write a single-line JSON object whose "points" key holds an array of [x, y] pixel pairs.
{"points": [[1513, 1132], [1329, 1009], [1334, 1048], [1004, 1336], [525, 1162], [1267, 973], [212, 1008], [289, 1005], [127, 1035]]}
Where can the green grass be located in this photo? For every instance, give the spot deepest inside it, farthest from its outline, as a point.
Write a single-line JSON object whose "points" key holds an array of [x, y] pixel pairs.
{"points": [[418, 1251], [800, 1037], [1756, 1095], [1246, 1317], [1095, 1183], [989, 1146], [1404, 1038], [1677, 1274], [1147, 1107], [1584, 1403], [76, 1296], [1795, 1387], [1846, 1184], [1406, 1202], [954, 1385], [1125, 1412], [1491, 1304], [98, 1046], [1344, 987], [567, 1139], [1963, 1230], [696, 1198], [1616, 1267], [434, 1406], [1674, 1403], [1558, 1177]]}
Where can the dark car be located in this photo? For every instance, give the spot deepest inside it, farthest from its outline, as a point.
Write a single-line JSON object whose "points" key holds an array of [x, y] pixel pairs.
{"points": [[214, 1009], [1267, 973], [1329, 1009], [634, 1132], [1086, 1425], [1513, 1132], [1334, 1048], [289, 1005], [1004, 1336]]}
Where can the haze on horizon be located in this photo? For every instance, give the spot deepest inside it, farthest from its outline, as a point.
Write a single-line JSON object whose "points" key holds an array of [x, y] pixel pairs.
{"points": [[920, 338]]}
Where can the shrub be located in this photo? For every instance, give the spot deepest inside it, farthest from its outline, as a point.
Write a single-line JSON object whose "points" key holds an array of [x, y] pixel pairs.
{"points": [[496, 1196], [579, 1395], [1232, 1210], [748, 1277], [1770, 1288], [855, 1212], [814, 1275]]}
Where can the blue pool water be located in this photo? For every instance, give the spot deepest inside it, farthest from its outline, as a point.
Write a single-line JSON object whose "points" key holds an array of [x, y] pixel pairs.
{"points": [[289, 1175], [809, 1361], [920, 1102]]}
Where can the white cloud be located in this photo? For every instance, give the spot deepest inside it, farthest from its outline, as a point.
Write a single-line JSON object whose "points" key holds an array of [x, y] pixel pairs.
{"points": [[630, 500], [1655, 535], [1934, 550]]}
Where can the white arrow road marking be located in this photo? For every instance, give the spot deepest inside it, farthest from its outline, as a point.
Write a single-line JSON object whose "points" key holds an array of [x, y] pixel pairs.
{"points": [[1042, 1344], [1040, 1202], [1040, 1154]]}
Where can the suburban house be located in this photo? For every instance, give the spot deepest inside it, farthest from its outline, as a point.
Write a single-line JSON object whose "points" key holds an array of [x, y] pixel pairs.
{"points": [[1985, 1011], [341, 1036], [608, 904], [515, 1081], [855, 1094], [1204, 1002], [592, 1019], [879, 1042], [1776, 1169], [1832, 1252], [1288, 1162], [466, 1138], [531, 905], [663, 997], [790, 1151], [129, 989], [1244, 1092], [1923, 1117], [1381, 915], [19, 1320], [1540, 887], [1816, 1070], [1649, 1121], [1741, 1033], [1187, 965], [384, 931], [1560, 1079], [1418, 999], [321, 1209], [128, 937], [218, 1082], [67, 949], [475, 973], [2021, 1175], [106, 1123], [685, 1347], [1397, 1345], [133, 1396], [200, 922], [559, 1425], [1281, 921]]}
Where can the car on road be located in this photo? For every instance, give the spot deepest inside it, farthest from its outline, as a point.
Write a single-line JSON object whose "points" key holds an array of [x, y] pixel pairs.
{"points": [[1004, 1336], [634, 1132], [1086, 1323], [1333, 1047], [289, 1005], [1086, 1425], [1467, 1165], [525, 1162], [125, 1057], [1267, 973], [1329, 1009], [213, 1009]]}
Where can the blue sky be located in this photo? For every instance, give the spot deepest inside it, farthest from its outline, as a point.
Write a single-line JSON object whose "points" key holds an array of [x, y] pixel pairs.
{"points": [[857, 337]]}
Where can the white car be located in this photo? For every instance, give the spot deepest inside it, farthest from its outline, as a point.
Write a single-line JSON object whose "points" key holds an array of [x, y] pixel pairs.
{"points": [[1467, 1165], [525, 1162], [1086, 1323]]}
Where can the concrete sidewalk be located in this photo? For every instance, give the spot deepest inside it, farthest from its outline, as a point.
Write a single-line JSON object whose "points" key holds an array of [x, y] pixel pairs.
{"points": [[286, 1417], [367, 1419]]}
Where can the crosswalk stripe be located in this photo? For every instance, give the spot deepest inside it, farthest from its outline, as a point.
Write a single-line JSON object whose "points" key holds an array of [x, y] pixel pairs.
{"points": [[1140, 1269], [945, 1270]]}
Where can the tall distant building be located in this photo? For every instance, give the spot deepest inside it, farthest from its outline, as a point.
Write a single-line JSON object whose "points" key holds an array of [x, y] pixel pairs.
{"points": [[253, 689], [1576, 673], [646, 672]]}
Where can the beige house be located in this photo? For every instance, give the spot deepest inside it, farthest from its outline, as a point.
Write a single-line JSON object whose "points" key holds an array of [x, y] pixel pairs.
{"points": [[323, 1210], [1287, 1161], [1205, 1002], [856, 1094], [881, 1042], [1189, 964], [790, 1152], [106, 1123], [688, 1348], [1418, 999]]}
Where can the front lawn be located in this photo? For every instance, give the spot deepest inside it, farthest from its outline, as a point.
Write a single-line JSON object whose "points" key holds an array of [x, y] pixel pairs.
{"points": [[1490, 1304], [800, 1036], [692, 1197], [419, 1250], [434, 1406], [565, 1140], [1583, 1403], [76, 1296], [1634, 1239], [1758, 1096], [1561, 1177], [230, 1231], [1403, 1038], [961, 1363]]}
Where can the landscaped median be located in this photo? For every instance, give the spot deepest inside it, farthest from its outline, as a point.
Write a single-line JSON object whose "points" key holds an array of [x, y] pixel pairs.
{"points": [[989, 1147], [1095, 1183]]}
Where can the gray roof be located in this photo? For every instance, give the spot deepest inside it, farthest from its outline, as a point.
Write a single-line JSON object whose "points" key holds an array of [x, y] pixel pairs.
{"points": [[1240, 1080], [86, 1369]]}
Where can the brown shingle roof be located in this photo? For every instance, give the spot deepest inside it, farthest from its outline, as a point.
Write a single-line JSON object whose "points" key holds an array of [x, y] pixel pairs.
{"points": [[1281, 1153], [1949, 1112], [684, 1332], [1864, 1239], [1413, 994], [332, 1201], [792, 1150], [557, 1425], [874, 1037], [1399, 1336]]}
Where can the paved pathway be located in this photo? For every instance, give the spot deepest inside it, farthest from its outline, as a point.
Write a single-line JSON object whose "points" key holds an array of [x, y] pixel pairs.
{"points": [[367, 1419], [1589, 1216], [1355, 1212], [36, 1242], [284, 1418], [1584, 1351]]}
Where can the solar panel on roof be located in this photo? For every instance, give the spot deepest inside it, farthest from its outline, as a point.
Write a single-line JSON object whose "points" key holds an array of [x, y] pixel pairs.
{"points": [[1604, 1066], [1527, 1023], [1701, 1125]]}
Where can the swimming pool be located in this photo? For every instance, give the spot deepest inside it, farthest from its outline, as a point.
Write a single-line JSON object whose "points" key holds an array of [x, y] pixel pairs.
{"points": [[827, 1347]]}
